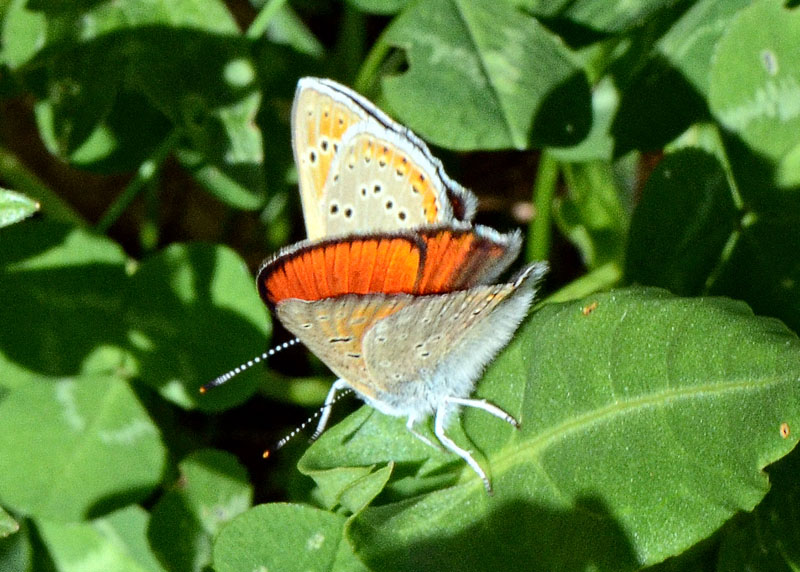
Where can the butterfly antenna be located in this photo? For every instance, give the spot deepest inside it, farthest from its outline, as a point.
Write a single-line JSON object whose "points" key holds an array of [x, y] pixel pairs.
{"points": [[219, 380], [304, 424]]}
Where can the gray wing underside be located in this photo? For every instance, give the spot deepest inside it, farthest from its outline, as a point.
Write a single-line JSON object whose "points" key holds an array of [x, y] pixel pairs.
{"points": [[406, 353], [438, 346]]}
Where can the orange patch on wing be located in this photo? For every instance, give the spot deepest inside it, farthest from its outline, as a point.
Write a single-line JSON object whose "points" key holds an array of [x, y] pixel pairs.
{"points": [[355, 266], [456, 259]]}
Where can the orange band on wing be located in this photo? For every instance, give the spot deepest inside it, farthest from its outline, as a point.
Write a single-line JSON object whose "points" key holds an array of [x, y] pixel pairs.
{"points": [[456, 259], [429, 261], [390, 265]]}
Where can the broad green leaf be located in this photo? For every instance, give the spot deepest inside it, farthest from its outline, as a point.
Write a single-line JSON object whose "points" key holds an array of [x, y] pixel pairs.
{"points": [[379, 6], [8, 525], [599, 15], [647, 421], [284, 537], [656, 106], [755, 78], [63, 291], [194, 313], [690, 43], [482, 75], [128, 526], [116, 542], [15, 207], [101, 137], [74, 447], [286, 27], [211, 490], [683, 221], [687, 234], [787, 175], [767, 538]]}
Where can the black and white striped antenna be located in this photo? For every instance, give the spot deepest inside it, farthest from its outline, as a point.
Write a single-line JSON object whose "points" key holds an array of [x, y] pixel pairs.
{"points": [[294, 432], [219, 380]]}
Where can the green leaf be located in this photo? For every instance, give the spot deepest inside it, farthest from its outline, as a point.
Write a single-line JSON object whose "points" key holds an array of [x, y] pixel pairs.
{"points": [[114, 79], [509, 82], [116, 542], [212, 489], [591, 214], [63, 290], [682, 224], [762, 266], [690, 43], [194, 314], [599, 15], [8, 525], [15, 549], [70, 448], [646, 424], [379, 6], [15, 207], [656, 106], [598, 144], [755, 78], [767, 538], [687, 233], [284, 537], [211, 94], [350, 488]]}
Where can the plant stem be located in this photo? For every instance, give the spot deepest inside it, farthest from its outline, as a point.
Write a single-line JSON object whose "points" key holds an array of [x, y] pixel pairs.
{"points": [[544, 190], [147, 171], [259, 26], [369, 69]]}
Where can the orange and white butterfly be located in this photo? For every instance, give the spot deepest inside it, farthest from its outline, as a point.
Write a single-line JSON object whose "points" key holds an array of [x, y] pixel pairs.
{"points": [[391, 290]]}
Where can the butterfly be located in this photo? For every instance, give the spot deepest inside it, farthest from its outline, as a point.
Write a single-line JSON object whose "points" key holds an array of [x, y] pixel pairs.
{"points": [[393, 288]]}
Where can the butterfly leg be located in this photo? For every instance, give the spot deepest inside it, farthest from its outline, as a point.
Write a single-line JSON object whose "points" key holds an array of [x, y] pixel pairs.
{"points": [[486, 406], [439, 423], [420, 436], [337, 386]]}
